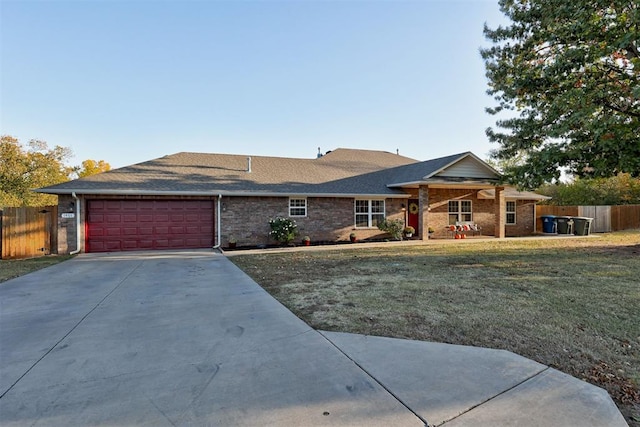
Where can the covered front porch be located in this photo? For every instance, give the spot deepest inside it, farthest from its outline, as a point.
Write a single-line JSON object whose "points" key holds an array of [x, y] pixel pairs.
{"points": [[434, 208]]}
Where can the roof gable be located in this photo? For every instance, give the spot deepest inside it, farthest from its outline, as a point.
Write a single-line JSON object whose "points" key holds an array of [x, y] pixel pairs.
{"points": [[466, 166]]}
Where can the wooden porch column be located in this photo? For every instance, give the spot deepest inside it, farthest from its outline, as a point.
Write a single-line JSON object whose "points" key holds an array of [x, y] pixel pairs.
{"points": [[500, 213], [423, 211]]}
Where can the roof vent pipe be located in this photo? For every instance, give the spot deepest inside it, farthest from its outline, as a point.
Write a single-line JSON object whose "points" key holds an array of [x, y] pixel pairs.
{"points": [[249, 164], [319, 153]]}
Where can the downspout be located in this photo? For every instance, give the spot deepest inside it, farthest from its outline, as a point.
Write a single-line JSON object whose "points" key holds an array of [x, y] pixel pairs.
{"points": [[219, 222], [77, 251]]}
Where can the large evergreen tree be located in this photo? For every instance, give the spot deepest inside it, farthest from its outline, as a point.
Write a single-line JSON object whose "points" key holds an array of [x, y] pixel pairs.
{"points": [[566, 75]]}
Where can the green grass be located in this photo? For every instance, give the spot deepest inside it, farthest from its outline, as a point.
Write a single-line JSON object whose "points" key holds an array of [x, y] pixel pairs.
{"points": [[10, 268], [572, 304]]}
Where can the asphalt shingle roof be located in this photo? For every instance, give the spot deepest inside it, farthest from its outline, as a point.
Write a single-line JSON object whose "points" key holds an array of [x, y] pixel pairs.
{"points": [[343, 171]]}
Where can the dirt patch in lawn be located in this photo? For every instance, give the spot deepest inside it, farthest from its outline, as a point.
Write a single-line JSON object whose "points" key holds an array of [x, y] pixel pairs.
{"points": [[12, 268], [568, 303]]}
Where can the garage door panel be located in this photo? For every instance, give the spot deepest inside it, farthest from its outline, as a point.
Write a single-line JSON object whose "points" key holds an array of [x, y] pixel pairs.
{"points": [[129, 244], [112, 246], [130, 231], [115, 218], [113, 205], [145, 244], [115, 225], [112, 231], [192, 230], [95, 217], [130, 217]]}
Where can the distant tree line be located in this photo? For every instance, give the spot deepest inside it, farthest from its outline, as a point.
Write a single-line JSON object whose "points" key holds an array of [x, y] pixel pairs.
{"points": [[621, 189]]}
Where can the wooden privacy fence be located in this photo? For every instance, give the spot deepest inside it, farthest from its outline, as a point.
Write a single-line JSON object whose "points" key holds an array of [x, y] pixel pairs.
{"points": [[28, 231], [605, 218], [625, 217]]}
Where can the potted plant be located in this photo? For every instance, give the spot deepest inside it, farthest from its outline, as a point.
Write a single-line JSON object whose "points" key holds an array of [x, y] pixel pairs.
{"points": [[232, 242], [409, 230], [353, 237], [306, 240], [431, 231]]}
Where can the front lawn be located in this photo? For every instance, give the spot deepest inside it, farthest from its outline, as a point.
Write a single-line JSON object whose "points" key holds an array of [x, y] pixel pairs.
{"points": [[11, 268], [572, 304]]}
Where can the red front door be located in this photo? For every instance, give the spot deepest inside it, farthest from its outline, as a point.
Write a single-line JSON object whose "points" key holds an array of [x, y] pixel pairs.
{"points": [[413, 216]]}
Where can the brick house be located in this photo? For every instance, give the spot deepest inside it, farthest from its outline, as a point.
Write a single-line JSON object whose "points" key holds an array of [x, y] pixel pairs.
{"points": [[196, 200]]}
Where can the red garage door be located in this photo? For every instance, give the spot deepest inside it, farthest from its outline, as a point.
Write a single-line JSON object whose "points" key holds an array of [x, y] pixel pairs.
{"points": [[129, 225]]}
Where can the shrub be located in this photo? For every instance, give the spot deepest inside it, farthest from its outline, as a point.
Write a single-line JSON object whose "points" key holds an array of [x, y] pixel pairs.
{"points": [[283, 230], [395, 227]]}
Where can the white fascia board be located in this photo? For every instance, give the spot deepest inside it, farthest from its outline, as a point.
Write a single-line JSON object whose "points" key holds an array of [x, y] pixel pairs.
{"points": [[216, 193], [446, 184]]}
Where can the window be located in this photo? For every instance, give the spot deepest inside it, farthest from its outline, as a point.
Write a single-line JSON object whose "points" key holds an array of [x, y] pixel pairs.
{"points": [[369, 213], [511, 212], [297, 207], [460, 211]]}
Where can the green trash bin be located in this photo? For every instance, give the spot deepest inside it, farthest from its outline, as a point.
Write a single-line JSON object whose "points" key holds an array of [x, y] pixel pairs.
{"points": [[582, 225], [565, 224]]}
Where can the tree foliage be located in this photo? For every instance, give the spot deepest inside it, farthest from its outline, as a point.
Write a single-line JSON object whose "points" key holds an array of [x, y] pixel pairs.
{"points": [[25, 168], [621, 189], [567, 76], [92, 167]]}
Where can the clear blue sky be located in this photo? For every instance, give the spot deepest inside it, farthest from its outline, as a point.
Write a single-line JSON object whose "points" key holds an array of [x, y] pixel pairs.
{"points": [[129, 81]]}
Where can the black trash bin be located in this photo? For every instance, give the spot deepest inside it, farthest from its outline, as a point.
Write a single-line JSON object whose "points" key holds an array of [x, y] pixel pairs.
{"points": [[548, 223], [565, 224], [582, 225]]}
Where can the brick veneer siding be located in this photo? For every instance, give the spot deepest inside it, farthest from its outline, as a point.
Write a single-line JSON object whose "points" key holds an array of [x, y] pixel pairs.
{"points": [[483, 213], [483, 210], [525, 217], [328, 219], [67, 226]]}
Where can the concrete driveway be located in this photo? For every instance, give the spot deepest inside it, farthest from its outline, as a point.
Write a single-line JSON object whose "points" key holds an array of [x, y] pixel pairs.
{"points": [[171, 339], [186, 338]]}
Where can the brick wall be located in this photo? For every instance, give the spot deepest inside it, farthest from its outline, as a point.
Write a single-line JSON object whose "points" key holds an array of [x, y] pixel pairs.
{"points": [[328, 219], [525, 216], [483, 210], [67, 226], [483, 213]]}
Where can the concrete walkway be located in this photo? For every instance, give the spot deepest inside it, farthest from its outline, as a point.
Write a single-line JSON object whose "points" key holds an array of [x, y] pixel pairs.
{"points": [[186, 338]]}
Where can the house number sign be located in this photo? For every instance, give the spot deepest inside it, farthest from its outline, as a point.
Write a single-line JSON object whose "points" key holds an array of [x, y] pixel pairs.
{"points": [[68, 215]]}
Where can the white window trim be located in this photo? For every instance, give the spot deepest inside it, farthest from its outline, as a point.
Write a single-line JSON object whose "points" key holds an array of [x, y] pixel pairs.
{"points": [[305, 207], [459, 212], [507, 212], [369, 212]]}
